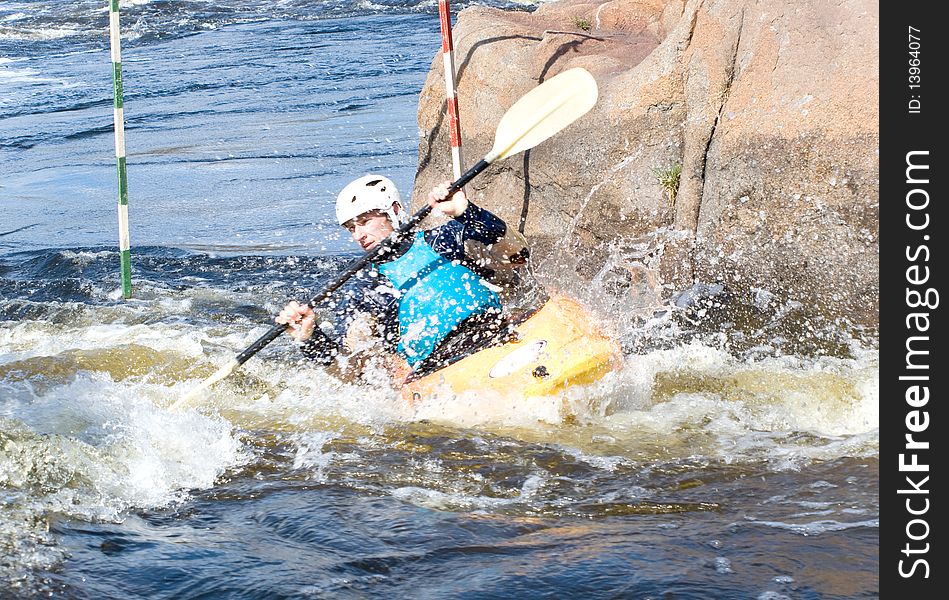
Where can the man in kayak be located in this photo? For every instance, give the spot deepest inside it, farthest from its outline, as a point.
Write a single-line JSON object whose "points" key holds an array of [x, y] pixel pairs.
{"points": [[436, 289]]}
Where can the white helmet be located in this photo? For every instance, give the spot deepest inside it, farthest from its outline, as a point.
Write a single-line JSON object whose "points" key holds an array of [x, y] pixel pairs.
{"points": [[369, 192]]}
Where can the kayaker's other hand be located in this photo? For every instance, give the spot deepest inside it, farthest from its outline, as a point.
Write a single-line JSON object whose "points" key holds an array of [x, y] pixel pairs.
{"points": [[300, 319], [453, 206]]}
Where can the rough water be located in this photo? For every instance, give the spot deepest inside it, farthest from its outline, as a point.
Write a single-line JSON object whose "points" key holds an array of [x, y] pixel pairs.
{"points": [[733, 455]]}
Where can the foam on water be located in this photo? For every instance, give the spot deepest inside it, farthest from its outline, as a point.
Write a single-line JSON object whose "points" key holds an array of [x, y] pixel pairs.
{"points": [[86, 257], [93, 449], [42, 34], [19, 76], [113, 447], [113, 347], [462, 499], [309, 450], [293, 395], [785, 408], [814, 527], [479, 408]]}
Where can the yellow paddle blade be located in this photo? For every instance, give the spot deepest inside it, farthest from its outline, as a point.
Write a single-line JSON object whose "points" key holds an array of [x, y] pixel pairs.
{"points": [[193, 394], [544, 111]]}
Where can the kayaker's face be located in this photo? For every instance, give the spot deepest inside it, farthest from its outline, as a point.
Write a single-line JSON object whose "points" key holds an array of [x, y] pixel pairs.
{"points": [[368, 229]]}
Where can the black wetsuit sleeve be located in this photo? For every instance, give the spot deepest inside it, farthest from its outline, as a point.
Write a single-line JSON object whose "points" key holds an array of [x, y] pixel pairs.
{"points": [[483, 242], [321, 347], [474, 225], [481, 225]]}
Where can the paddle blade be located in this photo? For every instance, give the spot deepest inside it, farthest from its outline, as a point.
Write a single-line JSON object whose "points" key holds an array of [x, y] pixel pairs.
{"points": [[196, 392], [544, 111]]}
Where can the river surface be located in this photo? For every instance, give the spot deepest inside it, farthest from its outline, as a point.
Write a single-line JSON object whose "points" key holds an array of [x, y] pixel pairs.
{"points": [[733, 455]]}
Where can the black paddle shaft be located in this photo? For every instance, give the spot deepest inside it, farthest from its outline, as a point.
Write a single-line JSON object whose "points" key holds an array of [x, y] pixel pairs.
{"points": [[354, 267]]}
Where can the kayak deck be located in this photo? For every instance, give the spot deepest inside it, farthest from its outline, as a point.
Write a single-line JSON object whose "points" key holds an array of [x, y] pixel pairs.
{"points": [[557, 347]]}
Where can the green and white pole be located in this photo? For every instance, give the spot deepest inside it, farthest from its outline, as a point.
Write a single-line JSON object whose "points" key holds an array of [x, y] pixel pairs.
{"points": [[125, 259]]}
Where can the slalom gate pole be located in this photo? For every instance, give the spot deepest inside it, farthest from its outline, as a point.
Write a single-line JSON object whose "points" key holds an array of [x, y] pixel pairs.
{"points": [[125, 261], [448, 52]]}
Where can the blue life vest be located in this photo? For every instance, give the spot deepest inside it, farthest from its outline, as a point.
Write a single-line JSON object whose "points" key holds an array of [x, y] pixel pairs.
{"points": [[436, 295]]}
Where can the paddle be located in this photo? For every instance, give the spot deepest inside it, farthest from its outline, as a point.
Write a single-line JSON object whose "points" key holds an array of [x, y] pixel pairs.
{"points": [[538, 115]]}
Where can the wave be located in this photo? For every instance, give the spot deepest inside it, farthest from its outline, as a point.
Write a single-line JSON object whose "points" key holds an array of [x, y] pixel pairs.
{"points": [[86, 377], [39, 34], [786, 410], [13, 76]]}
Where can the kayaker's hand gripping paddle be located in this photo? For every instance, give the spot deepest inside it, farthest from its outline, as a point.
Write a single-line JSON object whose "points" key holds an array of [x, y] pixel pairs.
{"points": [[539, 114]]}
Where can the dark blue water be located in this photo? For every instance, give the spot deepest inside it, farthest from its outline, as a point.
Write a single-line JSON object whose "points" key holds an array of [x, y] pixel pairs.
{"points": [[298, 106], [694, 471]]}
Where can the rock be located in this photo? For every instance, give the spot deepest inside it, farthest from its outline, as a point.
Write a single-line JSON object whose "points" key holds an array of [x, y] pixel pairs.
{"points": [[699, 292], [769, 109]]}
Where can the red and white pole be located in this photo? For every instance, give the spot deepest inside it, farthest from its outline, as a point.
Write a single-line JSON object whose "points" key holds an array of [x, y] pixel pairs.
{"points": [[448, 51]]}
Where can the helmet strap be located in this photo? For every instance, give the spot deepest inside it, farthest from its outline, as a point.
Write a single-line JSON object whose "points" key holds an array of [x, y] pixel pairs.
{"points": [[395, 217]]}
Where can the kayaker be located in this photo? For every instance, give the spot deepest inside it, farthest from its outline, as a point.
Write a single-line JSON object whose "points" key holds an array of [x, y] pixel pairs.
{"points": [[456, 282]]}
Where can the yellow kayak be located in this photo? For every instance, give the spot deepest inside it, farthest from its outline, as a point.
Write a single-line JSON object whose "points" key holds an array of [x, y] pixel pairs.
{"points": [[558, 346]]}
